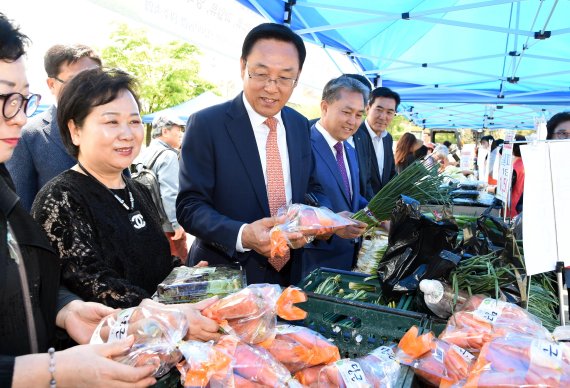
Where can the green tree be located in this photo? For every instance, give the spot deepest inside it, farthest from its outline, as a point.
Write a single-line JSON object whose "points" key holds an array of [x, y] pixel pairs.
{"points": [[167, 74]]}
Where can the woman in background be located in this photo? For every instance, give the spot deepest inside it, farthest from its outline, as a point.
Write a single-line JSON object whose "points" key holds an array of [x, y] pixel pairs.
{"points": [[404, 154]]}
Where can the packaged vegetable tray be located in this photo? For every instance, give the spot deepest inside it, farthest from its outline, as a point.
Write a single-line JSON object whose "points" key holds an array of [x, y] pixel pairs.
{"points": [[191, 284]]}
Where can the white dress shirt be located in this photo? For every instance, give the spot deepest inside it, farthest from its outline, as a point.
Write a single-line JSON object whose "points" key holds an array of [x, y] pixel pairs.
{"points": [[331, 141], [378, 143], [261, 132]]}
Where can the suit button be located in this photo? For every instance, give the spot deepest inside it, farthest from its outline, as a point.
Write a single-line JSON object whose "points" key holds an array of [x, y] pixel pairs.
{"points": [[261, 267]]}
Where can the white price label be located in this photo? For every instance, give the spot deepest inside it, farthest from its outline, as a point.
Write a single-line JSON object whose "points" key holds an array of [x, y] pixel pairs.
{"points": [[121, 327], [352, 374], [489, 310], [438, 354], [384, 354], [468, 357], [545, 354]]}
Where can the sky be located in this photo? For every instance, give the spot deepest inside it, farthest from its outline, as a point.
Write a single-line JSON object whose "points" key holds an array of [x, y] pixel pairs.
{"points": [[217, 27]]}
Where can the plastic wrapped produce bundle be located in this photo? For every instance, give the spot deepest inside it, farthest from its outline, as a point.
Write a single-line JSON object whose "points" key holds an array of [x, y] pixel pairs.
{"points": [[308, 220], [481, 319], [157, 329], [378, 369], [298, 348], [251, 313], [231, 363], [517, 361], [434, 360], [193, 284]]}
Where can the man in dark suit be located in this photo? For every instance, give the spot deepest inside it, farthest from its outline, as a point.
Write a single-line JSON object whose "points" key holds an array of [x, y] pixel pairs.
{"points": [[373, 143], [243, 159], [342, 109], [40, 154]]}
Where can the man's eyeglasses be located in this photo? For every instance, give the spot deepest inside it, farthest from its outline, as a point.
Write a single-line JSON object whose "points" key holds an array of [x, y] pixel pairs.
{"points": [[14, 102], [58, 79], [283, 82]]}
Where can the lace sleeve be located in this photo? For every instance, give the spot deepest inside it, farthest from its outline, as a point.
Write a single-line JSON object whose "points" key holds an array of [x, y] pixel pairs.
{"points": [[84, 272]]}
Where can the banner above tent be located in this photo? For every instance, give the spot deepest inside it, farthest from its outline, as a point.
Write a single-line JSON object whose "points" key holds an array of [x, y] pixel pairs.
{"points": [[492, 53]]}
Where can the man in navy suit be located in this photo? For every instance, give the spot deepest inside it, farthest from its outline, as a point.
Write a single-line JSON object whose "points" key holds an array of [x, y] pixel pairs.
{"points": [[40, 154], [342, 109], [374, 139], [230, 186]]}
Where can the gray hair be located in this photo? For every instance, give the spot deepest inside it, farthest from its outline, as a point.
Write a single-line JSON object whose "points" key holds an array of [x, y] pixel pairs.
{"points": [[164, 121], [332, 89], [440, 151]]}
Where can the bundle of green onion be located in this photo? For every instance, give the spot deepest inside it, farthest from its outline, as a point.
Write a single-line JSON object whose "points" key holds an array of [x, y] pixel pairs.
{"points": [[417, 181]]}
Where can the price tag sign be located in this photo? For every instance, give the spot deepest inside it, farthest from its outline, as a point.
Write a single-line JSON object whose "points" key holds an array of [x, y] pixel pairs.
{"points": [[352, 374], [384, 354], [121, 327], [468, 357], [438, 354], [545, 354], [489, 310]]}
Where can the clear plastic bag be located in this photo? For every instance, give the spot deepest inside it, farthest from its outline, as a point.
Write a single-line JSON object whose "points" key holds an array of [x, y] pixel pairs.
{"points": [[481, 319], [517, 361], [157, 329], [251, 314], [298, 348], [193, 284], [378, 369], [202, 362], [252, 366], [308, 220], [434, 360]]}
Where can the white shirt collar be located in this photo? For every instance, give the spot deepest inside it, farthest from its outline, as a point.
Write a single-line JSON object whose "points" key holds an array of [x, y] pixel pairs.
{"points": [[255, 118], [331, 141], [372, 133]]}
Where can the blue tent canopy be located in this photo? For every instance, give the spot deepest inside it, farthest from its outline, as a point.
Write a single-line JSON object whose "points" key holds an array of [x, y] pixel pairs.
{"points": [[510, 57], [185, 109]]}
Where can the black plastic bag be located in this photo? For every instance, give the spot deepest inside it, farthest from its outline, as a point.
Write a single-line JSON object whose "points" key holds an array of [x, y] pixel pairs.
{"points": [[414, 245]]}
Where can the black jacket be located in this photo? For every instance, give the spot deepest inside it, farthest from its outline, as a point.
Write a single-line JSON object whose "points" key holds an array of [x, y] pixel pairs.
{"points": [[42, 269], [370, 180]]}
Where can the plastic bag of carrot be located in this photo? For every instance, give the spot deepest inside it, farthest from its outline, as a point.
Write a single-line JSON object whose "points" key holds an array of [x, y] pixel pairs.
{"points": [[308, 220], [481, 319], [435, 361], [517, 361], [251, 313]]}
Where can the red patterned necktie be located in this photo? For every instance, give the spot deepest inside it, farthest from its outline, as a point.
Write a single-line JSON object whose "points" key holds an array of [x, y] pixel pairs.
{"points": [[275, 181]]}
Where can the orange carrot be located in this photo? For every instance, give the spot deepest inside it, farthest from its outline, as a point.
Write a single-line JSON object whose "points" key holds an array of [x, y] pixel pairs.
{"points": [[236, 305], [285, 304]]}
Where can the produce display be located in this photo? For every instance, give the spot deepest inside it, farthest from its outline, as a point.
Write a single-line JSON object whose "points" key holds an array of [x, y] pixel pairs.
{"points": [[193, 284]]}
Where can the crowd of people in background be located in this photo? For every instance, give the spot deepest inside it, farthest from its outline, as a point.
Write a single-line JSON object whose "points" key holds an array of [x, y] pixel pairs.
{"points": [[90, 239]]}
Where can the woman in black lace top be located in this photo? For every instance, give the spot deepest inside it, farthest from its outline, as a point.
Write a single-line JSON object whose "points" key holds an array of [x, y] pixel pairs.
{"points": [[103, 225]]}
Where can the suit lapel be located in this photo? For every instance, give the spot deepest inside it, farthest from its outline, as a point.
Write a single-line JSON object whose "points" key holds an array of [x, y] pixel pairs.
{"points": [[240, 131], [374, 163], [387, 153], [354, 176], [51, 128], [324, 151]]}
